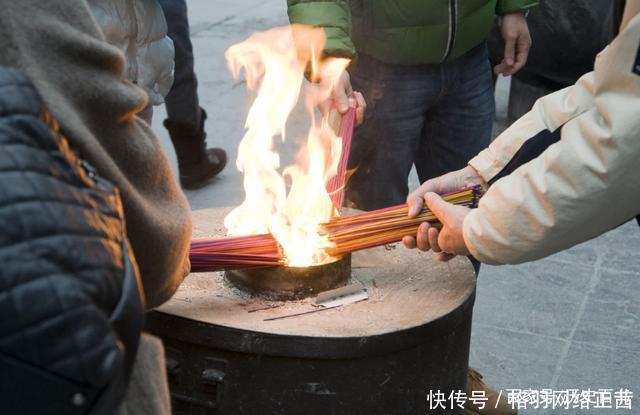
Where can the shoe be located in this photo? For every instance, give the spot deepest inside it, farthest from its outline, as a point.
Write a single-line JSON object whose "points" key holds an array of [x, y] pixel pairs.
{"points": [[492, 406], [197, 164], [199, 175]]}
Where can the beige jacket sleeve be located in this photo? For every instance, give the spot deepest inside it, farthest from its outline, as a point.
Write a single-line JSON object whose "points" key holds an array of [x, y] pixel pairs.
{"points": [[548, 113], [583, 185]]}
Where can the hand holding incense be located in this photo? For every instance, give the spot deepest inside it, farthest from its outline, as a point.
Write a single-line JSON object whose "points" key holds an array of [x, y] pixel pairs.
{"points": [[446, 240], [388, 225]]}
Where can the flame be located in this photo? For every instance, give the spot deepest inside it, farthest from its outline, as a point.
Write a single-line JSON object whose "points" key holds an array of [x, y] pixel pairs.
{"points": [[274, 64]]}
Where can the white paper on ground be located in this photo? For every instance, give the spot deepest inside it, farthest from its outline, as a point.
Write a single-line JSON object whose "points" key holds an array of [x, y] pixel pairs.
{"points": [[348, 294]]}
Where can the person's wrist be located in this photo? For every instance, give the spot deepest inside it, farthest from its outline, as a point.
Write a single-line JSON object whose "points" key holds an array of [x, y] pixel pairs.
{"points": [[515, 13], [472, 177], [524, 13]]}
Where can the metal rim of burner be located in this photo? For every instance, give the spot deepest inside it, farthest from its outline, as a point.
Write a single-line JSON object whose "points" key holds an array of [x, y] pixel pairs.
{"points": [[284, 283]]}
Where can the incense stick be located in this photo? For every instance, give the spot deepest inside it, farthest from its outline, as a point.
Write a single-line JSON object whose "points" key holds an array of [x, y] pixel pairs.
{"points": [[336, 185]]}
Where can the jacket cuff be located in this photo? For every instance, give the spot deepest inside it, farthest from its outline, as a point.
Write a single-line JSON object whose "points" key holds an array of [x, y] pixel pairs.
{"points": [[333, 17], [471, 241], [486, 164], [338, 44], [508, 6]]}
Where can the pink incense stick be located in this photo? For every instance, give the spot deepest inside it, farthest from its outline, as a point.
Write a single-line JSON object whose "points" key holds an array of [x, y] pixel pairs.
{"points": [[336, 185]]}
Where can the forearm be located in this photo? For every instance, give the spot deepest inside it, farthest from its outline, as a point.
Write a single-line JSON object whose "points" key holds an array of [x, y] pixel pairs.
{"points": [[552, 203], [581, 186], [548, 113]]}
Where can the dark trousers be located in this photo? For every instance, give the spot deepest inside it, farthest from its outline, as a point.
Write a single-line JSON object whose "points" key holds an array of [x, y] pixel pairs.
{"points": [[434, 116], [182, 101]]}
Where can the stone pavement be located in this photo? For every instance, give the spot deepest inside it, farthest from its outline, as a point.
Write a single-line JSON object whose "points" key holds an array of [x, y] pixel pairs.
{"points": [[569, 321]]}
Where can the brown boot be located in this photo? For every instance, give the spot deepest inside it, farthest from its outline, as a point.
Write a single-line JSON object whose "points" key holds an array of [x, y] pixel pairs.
{"points": [[492, 405], [196, 163]]}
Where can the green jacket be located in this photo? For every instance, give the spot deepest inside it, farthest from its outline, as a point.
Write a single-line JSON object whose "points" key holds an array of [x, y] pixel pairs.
{"points": [[402, 32]]}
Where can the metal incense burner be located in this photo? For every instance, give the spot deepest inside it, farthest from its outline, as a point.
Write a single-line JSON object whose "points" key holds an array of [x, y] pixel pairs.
{"points": [[232, 348], [291, 283]]}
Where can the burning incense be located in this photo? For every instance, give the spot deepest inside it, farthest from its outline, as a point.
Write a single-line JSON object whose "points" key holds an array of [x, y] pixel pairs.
{"points": [[234, 252], [289, 202], [347, 234]]}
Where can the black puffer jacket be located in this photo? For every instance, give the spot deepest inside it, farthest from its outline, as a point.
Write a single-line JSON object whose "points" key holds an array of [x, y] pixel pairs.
{"points": [[70, 308]]}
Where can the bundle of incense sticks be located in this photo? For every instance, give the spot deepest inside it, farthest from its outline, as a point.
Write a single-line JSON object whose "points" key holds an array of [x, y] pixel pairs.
{"points": [[347, 233], [234, 252], [335, 187], [379, 227]]}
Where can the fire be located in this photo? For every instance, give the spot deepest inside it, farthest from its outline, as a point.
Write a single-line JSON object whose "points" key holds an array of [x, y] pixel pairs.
{"points": [[274, 64]]}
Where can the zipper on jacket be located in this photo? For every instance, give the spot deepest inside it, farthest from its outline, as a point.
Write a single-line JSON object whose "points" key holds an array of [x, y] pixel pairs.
{"points": [[453, 28]]}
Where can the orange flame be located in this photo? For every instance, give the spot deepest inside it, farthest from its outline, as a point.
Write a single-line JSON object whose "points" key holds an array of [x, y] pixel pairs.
{"points": [[274, 64]]}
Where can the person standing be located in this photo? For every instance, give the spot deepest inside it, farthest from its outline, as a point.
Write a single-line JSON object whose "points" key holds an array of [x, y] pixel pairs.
{"points": [[186, 119], [423, 68]]}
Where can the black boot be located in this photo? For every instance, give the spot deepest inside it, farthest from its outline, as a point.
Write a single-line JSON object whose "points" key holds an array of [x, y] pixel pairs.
{"points": [[196, 163]]}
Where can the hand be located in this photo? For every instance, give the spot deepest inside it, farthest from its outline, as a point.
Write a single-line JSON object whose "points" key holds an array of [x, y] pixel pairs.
{"points": [[448, 242], [446, 183], [517, 42], [340, 95]]}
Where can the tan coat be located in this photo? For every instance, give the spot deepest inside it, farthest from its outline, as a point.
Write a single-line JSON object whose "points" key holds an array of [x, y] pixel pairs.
{"points": [[582, 186], [57, 44]]}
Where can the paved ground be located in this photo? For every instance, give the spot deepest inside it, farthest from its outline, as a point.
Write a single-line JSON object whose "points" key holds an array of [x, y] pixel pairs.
{"points": [[568, 321]]}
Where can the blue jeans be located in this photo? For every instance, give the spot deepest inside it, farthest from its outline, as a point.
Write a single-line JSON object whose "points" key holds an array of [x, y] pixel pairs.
{"points": [[182, 101], [434, 116]]}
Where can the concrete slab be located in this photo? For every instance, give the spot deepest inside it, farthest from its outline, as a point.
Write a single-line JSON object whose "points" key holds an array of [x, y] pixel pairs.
{"points": [[597, 367], [547, 299], [612, 314], [511, 359]]}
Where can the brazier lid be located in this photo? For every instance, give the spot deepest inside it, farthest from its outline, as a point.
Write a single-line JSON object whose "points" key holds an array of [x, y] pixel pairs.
{"points": [[412, 297]]}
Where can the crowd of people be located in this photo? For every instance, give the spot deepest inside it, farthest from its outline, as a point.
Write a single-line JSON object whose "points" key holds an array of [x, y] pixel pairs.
{"points": [[98, 228]]}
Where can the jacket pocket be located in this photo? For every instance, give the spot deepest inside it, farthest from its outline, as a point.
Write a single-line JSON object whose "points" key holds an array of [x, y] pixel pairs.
{"points": [[27, 389]]}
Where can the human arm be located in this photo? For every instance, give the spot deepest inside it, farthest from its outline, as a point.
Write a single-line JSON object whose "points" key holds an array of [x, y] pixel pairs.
{"points": [[515, 33], [517, 42], [547, 114], [334, 17], [581, 186]]}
